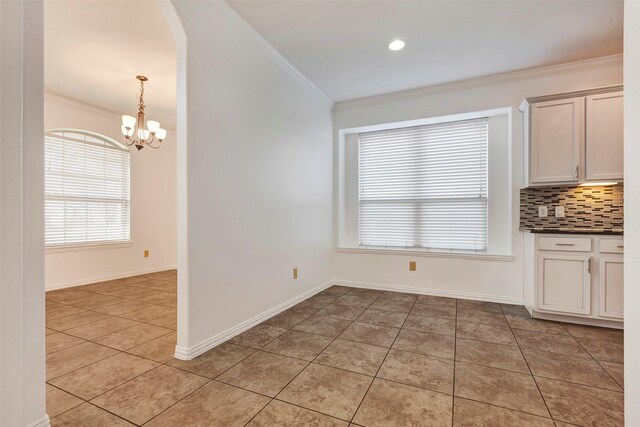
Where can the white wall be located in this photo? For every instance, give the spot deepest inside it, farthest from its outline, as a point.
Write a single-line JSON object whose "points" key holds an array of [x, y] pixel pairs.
{"points": [[153, 205], [498, 280], [22, 366], [258, 177], [632, 212]]}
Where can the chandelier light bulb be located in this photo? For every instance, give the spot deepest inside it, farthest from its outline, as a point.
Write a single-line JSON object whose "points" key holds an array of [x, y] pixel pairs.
{"points": [[128, 121], [153, 126], [161, 133]]}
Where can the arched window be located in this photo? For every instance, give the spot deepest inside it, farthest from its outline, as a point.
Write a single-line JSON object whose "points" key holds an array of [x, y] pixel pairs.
{"points": [[87, 197]]}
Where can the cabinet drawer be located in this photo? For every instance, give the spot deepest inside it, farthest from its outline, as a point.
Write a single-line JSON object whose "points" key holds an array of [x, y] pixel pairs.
{"points": [[569, 244], [612, 246]]}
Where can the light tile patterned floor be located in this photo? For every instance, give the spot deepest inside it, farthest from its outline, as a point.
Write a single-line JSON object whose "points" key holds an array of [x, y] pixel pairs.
{"points": [[342, 357]]}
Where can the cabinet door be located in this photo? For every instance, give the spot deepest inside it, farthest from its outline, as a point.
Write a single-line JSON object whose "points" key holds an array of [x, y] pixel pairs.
{"points": [[611, 286], [604, 139], [564, 284], [556, 140]]}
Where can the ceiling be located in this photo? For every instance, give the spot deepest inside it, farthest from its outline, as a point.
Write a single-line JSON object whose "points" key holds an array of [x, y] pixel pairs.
{"points": [[341, 46], [95, 49]]}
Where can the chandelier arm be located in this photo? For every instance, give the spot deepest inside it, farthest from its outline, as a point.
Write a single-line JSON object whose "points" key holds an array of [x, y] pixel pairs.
{"points": [[152, 140]]}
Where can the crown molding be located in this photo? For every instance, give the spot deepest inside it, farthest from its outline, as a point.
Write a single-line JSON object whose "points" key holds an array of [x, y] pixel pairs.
{"points": [[569, 67], [233, 17]]}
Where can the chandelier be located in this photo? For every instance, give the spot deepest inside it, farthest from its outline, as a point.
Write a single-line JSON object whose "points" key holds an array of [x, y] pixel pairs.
{"points": [[138, 130]]}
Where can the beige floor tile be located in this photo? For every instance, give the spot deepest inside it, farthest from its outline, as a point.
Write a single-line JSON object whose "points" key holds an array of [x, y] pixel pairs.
{"points": [[435, 300], [582, 405], [431, 310], [215, 361], [418, 370], [309, 307], [569, 368], [94, 379], [72, 358], [169, 299], [604, 351], [146, 396], [507, 389], [434, 325], [88, 415], [132, 337], [69, 296], [491, 355], [425, 343], [367, 333], [468, 413], [98, 300], [59, 401], [149, 312], [214, 405], [328, 390], [264, 373], [347, 312], [595, 333], [258, 336], [75, 320], [169, 321], [124, 307], [389, 304], [159, 350], [616, 370], [486, 333], [62, 311], [552, 343], [323, 325], [490, 307], [365, 293], [391, 404], [324, 299], [283, 414], [382, 318], [528, 323], [101, 328], [48, 331], [59, 341], [300, 345], [518, 310], [287, 319], [478, 316], [353, 356]]}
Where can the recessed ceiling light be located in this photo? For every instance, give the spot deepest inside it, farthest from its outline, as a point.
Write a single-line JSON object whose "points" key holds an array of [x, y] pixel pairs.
{"points": [[396, 45]]}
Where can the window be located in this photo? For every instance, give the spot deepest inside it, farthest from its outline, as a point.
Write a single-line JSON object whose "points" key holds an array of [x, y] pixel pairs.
{"points": [[424, 186], [87, 198]]}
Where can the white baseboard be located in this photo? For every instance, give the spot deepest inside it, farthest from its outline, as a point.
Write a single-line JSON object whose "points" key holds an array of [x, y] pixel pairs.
{"points": [[95, 279], [42, 422], [433, 292], [614, 324], [188, 353]]}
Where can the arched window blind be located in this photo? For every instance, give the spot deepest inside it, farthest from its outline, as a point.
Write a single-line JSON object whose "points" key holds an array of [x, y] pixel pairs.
{"points": [[87, 198], [424, 186]]}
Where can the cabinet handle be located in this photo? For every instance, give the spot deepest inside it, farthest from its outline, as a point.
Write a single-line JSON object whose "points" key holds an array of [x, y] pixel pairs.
{"points": [[620, 246], [589, 266], [577, 172], [565, 244]]}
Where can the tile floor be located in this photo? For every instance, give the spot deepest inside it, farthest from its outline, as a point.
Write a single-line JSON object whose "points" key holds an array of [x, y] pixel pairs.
{"points": [[342, 357]]}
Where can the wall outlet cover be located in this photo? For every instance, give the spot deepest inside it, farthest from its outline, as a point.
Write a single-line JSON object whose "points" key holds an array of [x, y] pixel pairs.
{"points": [[146, 253], [295, 273], [542, 211], [412, 266], [559, 211]]}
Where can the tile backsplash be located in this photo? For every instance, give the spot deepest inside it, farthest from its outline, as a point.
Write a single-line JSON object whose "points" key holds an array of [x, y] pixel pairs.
{"points": [[597, 207]]}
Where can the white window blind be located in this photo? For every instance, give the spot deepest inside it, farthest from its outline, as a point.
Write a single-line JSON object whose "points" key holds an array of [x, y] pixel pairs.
{"points": [[86, 189], [424, 186]]}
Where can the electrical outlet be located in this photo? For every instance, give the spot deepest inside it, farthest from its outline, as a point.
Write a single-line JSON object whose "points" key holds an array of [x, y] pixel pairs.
{"points": [[542, 211], [559, 211], [295, 273], [146, 253], [412, 266]]}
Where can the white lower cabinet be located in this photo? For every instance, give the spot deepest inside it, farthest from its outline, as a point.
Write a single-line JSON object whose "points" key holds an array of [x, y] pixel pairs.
{"points": [[578, 277], [564, 284], [611, 286]]}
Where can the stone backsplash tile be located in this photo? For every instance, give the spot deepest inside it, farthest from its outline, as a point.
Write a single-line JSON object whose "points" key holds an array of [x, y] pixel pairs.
{"points": [[597, 207]]}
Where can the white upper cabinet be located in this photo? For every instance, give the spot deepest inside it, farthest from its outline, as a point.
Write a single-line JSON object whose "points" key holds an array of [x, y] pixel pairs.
{"points": [[556, 135], [574, 138], [604, 137]]}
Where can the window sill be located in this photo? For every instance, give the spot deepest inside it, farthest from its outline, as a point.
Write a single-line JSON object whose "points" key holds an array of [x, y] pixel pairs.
{"points": [[88, 247], [427, 253]]}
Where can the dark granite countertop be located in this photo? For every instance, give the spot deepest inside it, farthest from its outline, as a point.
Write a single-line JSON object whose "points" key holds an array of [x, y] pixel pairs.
{"points": [[564, 230]]}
